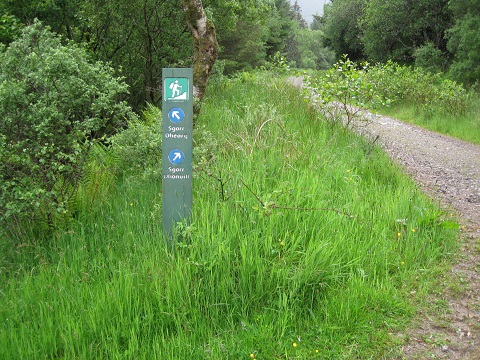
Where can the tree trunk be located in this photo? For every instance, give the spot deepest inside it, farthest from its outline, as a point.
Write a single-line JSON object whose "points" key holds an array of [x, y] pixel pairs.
{"points": [[205, 47]]}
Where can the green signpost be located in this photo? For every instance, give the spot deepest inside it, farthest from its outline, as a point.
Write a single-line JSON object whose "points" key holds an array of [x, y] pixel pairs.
{"points": [[177, 145]]}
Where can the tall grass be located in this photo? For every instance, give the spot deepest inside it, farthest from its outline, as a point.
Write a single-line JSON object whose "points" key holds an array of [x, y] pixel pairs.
{"points": [[305, 242]]}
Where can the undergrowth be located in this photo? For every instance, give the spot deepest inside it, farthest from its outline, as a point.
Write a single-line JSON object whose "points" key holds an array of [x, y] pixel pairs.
{"points": [[410, 94], [305, 242]]}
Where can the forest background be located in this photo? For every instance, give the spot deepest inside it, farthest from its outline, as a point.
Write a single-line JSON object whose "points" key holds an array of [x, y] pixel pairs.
{"points": [[141, 37]]}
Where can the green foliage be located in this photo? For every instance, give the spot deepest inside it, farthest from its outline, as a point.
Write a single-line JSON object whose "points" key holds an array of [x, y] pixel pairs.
{"points": [[138, 37], [247, 277], [98, 178], [311, 52], [385, 25], [10, 28], [227, 13], [259, 33], [53, 104], [428, 91], [464, 41], [243, 49], [421, 32], [382, 30], [346, 87], [278, 63], [342, 28], [430, 58], [141, 37], [280, 24], [138, 149], [418, 96], [63, 16]]}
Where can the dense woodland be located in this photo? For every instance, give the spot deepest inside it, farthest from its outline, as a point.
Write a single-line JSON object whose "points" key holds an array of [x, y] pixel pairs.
{"points": [[140, 37]]}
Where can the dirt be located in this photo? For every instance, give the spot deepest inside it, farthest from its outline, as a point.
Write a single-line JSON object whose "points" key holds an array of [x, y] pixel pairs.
{"points": [[448, 170]]}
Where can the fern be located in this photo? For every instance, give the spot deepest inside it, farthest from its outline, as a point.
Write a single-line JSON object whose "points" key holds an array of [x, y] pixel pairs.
{"points": [[99, 177]]}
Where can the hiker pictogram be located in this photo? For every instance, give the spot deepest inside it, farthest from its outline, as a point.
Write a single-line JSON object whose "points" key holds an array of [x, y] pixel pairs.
{"points": [[177, 89]]}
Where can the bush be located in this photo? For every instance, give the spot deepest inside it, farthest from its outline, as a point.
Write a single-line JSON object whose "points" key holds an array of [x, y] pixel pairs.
{"points": [[428, 91], [430, 58], [54, 104], [138, 149], [344, 85]]}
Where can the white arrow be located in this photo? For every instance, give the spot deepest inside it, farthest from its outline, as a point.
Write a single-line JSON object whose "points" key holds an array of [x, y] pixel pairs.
{"points": [[176, 156], [175, 114]]}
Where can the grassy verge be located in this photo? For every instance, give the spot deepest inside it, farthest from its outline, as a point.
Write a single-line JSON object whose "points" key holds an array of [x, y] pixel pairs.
{"points": [[305, 242], [462, 126]]}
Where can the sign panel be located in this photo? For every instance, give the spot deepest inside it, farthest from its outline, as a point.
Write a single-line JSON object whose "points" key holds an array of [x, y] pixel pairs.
{"points": [[177, 146]]}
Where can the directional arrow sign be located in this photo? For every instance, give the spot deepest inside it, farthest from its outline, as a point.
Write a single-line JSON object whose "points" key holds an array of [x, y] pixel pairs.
{"points": [[176, 115], [176, 156]]}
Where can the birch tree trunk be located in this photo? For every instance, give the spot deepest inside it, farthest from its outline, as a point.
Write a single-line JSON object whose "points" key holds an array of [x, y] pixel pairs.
{"points": [[205, 46]]}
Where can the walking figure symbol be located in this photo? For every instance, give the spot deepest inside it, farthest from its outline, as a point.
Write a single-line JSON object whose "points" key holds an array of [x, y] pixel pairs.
{"points": [[177, 89]]}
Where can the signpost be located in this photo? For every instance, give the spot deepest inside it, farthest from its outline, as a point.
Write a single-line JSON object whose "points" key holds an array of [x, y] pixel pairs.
{"points": [[177, 145]]}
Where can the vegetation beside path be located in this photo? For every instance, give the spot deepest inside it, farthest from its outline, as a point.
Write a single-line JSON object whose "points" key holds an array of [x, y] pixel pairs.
{"points": [[413, 95], [305, 242]]}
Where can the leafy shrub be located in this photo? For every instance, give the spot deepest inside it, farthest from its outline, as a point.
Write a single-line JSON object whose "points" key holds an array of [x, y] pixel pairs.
{"points": [[344, 85], [138, 148], [430, 58], [429, 91], [278, 63], [54, 104]]}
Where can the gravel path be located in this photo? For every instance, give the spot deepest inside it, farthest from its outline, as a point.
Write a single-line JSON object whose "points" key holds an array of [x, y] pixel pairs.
{"points": [[449, 171]]}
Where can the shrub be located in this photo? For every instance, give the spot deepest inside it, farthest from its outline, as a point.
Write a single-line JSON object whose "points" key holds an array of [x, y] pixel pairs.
{"points": [[138, 149], [54, 104], [430, 58], [428, 91], [344, 85]]}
